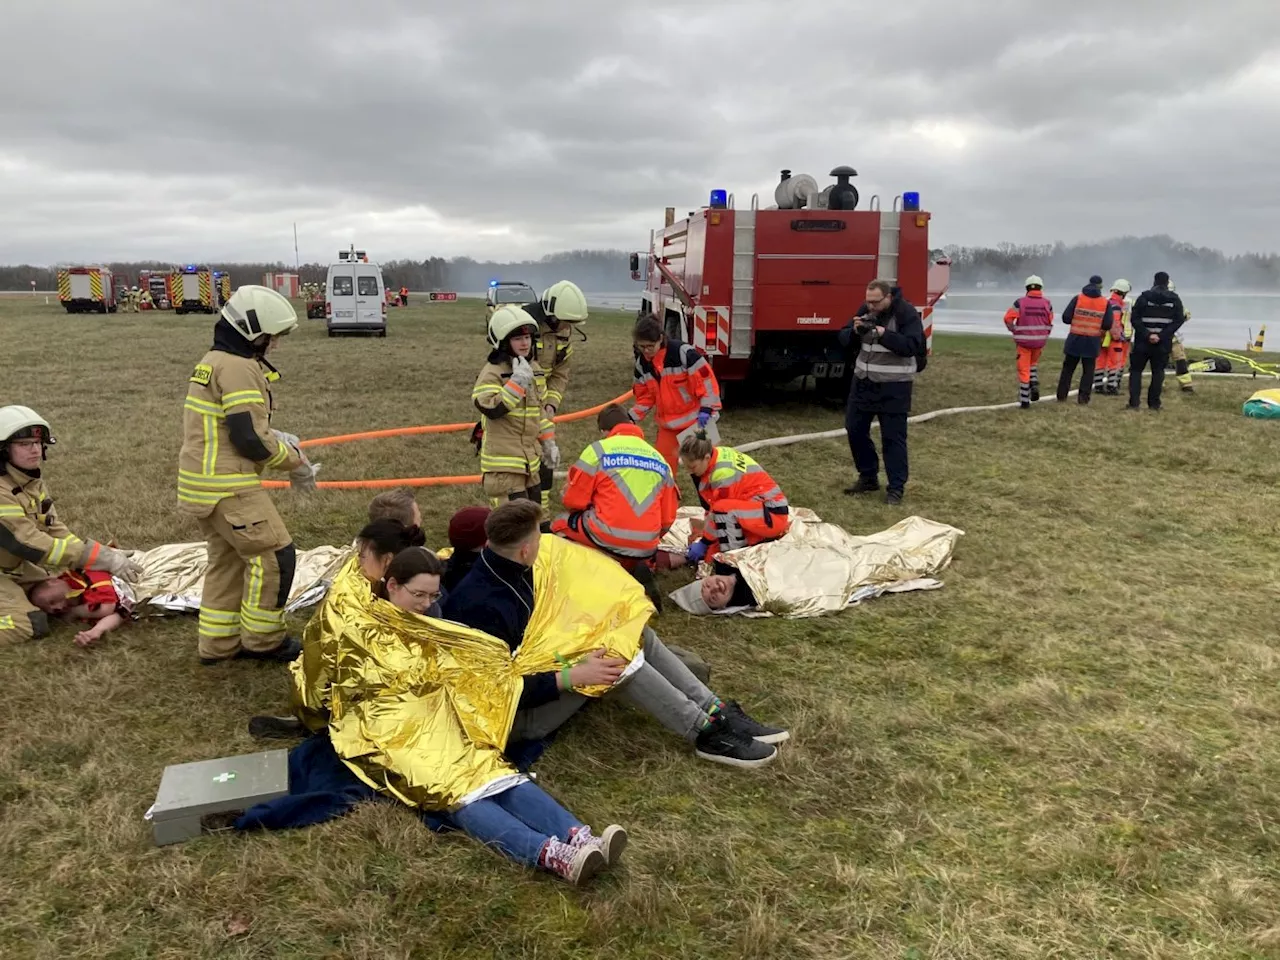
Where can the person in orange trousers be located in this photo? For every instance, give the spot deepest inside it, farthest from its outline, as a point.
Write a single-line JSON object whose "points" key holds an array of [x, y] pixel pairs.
{"points": [[1030, 320]]}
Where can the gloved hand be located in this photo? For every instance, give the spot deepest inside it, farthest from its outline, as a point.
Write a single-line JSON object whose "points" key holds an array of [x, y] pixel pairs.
{"points": [[697, 552], [303, 477], [550, 454], [116, 563], [703, 416], [522, 372]]}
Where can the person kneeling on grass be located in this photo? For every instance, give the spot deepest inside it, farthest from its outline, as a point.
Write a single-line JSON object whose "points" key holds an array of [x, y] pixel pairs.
{"points": [[88, 596], [744, 505], [498, 598]]}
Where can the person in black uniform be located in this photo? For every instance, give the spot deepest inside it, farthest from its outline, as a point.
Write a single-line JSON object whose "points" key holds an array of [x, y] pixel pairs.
{"points": [[1156, 316]]}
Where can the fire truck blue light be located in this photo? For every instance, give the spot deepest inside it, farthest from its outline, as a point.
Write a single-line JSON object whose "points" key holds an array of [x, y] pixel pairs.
{"points": [[911, 201], [719, 198]]}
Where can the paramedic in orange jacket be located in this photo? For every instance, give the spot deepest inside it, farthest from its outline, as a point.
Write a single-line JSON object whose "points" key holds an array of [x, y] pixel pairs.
{"points": [[1116, 341], [676, 379], [621, 495], [745, 506], [1030, 320]]}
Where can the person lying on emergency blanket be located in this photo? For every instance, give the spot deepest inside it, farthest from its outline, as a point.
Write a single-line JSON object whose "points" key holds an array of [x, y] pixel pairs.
{"points": [[726, 589], [87, 596]]}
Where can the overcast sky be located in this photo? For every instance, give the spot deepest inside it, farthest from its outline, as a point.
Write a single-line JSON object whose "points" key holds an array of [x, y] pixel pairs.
{"points": [[513, 129]]}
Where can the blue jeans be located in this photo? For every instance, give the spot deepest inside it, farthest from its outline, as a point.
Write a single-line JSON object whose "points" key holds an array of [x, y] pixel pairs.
{"points": [[518, 822]]}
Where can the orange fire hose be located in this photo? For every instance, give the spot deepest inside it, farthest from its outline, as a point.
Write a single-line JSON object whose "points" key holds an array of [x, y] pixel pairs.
{"points": [[459, 481]]}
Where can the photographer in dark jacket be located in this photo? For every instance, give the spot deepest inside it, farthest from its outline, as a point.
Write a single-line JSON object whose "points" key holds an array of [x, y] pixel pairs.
{"points": [[1156, 317], [885, 339]]}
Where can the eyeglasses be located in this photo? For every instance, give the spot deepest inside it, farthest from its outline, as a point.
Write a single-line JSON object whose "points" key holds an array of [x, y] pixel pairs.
{"points": [[424, 595]]}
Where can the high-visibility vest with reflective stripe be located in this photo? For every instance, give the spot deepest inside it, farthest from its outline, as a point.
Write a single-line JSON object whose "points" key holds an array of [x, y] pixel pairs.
{"points": [[1086, 320], [1034, 322], [879, 364], [679, 382], [633, 497], [735, 476]]}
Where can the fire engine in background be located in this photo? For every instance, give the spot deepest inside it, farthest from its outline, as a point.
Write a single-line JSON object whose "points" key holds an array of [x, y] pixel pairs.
{"points": [[192, 290], [157, 283], [763, 292], [222, 286], [86, 289]]}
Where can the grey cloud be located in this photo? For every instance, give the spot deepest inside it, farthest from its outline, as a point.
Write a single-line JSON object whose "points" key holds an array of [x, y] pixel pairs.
{"points": [[513, 129]]}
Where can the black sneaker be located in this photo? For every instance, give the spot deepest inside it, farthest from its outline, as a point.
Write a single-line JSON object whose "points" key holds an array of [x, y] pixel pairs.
{"points": [[752, 727], [1024, 405], [864, 485], [1035, 394], [722, 742], [276, 728], [286, 652], [893, 497]]}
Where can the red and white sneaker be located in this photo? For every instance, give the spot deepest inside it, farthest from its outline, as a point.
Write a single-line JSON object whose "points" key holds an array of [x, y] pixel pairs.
{"points": [[611, 843], [575, 864]]}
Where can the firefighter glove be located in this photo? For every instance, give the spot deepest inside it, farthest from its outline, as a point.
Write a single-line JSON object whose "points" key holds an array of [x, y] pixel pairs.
{"points": [[522, 372], [303, 477], [116, 563], [697, 552], [550, 454]]}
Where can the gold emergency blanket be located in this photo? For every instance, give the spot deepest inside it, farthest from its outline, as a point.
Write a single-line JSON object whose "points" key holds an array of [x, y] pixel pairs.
{"points": [[421, 708], [173, 577], [820, 568]]}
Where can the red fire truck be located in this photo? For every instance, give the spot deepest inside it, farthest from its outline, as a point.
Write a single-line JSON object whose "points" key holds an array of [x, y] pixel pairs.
{"points": [[764, 291]]}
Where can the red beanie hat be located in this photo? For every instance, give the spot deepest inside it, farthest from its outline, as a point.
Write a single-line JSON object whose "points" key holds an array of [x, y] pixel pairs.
{"points": [[466, 528]]}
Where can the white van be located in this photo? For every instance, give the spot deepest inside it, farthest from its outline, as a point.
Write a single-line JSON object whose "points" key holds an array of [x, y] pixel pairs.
{"points": [[355, 297]]}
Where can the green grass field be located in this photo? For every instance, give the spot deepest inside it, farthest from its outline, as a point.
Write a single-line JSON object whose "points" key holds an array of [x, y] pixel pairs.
{"points": [[1070, 751]]}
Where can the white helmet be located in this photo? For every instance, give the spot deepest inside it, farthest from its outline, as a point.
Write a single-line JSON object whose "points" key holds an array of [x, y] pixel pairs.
{"points": [[1171, 286], [564, 300], [256, 311], [506, 320], [23, 423], [1122, 286], [1033, 281]]}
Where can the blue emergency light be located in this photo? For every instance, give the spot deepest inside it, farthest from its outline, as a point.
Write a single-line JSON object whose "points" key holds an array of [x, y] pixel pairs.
{"points": [[911, 201], [191, 268], [719, 199], [493, 283]]}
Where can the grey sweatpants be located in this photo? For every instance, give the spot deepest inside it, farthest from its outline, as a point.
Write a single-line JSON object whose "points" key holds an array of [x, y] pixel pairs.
{"points": [[663, 688]]}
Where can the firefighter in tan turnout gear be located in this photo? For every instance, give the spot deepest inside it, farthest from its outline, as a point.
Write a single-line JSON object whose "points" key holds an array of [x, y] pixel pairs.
{"points": [[35, 544], [516, 435], [227, 444], [562, 309]]}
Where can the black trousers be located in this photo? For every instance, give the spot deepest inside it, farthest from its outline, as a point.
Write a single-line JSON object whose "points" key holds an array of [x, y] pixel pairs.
{"points": [[1069, 364], [1157, 356], [893, 437]]}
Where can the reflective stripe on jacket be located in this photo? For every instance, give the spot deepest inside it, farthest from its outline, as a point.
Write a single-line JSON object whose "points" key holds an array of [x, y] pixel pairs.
{"points": [[33, 541], [879, 364], [514, 423], [735, 476], [1030, 320], [1086, 321]]}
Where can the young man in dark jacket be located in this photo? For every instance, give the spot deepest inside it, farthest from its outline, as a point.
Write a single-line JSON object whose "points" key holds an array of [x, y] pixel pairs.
{"points": [[1156, 316], [498, 597], [884, 340], [1090, 314]]}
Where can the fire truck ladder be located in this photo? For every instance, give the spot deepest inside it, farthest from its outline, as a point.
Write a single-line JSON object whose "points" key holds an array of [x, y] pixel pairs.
{"points": [[742, 307], [890, 233]]}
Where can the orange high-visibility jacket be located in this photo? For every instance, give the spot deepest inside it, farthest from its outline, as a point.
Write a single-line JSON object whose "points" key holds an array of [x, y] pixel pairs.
{"points": [[679, 382], [735, 477], [625, 493]]}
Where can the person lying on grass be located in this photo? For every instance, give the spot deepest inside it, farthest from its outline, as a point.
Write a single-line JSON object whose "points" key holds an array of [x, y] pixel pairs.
{"points": [[497, 597], [523, 822], [87, 596]]}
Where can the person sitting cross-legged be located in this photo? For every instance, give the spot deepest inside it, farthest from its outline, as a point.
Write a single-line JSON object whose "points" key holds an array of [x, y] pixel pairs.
{"points": [[498, 598]]}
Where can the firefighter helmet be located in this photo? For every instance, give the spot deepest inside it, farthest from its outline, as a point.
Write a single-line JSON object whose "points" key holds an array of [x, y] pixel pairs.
{"points": [[257, 311], [22, 423], [1033, 281], [1122, 286], [565, 300], [507, 320], [1172, 288]]}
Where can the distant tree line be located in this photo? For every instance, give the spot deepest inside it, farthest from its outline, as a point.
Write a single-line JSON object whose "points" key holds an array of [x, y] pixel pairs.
{"points": [[1134, 258], [607, 271]]}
